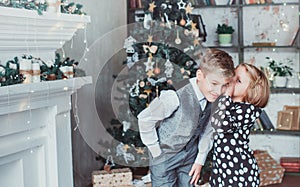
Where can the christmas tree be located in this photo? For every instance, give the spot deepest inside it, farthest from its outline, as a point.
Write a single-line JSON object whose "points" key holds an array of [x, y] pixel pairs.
{"points": [[162, 52]]}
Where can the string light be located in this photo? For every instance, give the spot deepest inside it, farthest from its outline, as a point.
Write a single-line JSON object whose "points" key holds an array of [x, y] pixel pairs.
{"points": [[75, 110], [29, 124], [86, 43]]}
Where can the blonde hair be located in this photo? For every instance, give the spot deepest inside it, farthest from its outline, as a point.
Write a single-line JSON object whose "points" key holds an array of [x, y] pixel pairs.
{"points": [[217, 61], [258, 91]]}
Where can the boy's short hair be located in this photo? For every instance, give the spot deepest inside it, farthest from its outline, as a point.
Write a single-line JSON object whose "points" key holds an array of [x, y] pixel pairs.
{"points": [[258, 92], [217, 61]]}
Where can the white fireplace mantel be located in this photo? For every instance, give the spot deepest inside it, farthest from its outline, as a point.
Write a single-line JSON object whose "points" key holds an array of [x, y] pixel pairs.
{"points": [[35, 133], [24, 31]]}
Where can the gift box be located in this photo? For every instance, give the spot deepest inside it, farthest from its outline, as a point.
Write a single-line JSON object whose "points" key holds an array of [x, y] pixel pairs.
{"points": [[290, 164], [271, 172], [115, 177]]}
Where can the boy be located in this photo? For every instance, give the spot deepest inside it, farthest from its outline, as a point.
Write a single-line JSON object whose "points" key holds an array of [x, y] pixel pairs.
{"points": [[173, 126]]}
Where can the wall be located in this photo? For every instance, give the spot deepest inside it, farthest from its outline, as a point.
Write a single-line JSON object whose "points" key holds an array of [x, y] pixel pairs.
{"points": [[105, 16]]}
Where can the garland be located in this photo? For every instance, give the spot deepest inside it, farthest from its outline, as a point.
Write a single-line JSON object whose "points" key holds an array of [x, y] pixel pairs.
{"points": [[10, 73], [67, 8]]}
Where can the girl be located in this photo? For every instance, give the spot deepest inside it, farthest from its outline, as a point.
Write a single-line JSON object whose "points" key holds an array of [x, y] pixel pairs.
{"points": [[235, 112]]}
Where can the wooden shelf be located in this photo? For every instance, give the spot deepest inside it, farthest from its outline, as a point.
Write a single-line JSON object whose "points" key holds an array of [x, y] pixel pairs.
{"points": [[285, 90], [277, 132], [271, 4], [275, 46]]}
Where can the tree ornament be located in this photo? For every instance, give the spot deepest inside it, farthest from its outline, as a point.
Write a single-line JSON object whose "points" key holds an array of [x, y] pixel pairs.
{"points": [[126, 147], [193, 25], [147, 21], [143, 96], [168, 24], [156, 71], [177, 40], [181, 5], [189, 9], [170, 81], [140, 151], [126, 125], [150, 39], [151, 49], [182, 22], [149, 64], [169, 69], [152, 6], [148, 91], [154, 82], [150, 73], [142, 84], [109, 163], [196, 42], [129, 42]]}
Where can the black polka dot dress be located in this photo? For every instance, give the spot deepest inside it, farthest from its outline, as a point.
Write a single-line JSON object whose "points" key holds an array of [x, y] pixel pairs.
{"points": [[234, 164]]}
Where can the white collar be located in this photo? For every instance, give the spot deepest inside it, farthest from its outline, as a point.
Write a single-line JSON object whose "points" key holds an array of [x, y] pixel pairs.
{"points": [[199, 94]]}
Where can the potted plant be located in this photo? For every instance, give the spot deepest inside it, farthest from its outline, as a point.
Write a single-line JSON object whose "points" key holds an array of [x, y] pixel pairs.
{"points": [[224, 32], [281, 71]]}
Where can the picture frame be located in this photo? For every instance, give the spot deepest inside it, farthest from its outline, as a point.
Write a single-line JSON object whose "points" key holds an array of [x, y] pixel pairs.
{"points": [[284, 120], [296, 116]]}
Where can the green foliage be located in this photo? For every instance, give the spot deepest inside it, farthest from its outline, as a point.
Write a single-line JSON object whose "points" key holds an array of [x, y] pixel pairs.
{"points": [[10, 74], [26, 4], [68, 8], [71, 8], [279, 68], [224, 29]]}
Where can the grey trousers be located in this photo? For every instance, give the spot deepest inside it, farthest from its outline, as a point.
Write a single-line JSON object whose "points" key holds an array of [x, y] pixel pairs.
{"points": [[174, 172]]}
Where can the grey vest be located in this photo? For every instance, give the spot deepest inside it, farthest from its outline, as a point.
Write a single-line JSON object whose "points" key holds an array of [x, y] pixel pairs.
{"points": [[182, 126]]}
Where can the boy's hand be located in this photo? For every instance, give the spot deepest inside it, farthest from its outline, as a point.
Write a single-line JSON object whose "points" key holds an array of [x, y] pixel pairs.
{"points": [[195, 173]]}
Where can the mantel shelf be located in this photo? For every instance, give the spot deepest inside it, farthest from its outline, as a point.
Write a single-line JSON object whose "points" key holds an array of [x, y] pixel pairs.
{"points": [[25, 30], [19, 96]]}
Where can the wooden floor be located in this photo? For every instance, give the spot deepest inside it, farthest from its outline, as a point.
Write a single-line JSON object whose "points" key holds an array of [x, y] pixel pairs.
{"points": [[289, 180]]}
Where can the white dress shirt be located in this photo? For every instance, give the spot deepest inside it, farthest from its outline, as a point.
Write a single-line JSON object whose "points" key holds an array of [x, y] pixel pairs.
{"points": [[161, 108]]}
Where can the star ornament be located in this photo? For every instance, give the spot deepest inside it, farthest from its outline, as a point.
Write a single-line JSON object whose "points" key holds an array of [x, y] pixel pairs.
{"points": [[152, 6], [181, 5], [193, 25], [140, 151], [126, 147], [149, 64], [189, 9], [196, 42], [150, 73], [150, 39]]}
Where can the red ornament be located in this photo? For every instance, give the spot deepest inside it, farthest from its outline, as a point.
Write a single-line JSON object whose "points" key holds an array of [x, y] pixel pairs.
{"points": [[182, 22], [156, 71], [170, 81]]}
